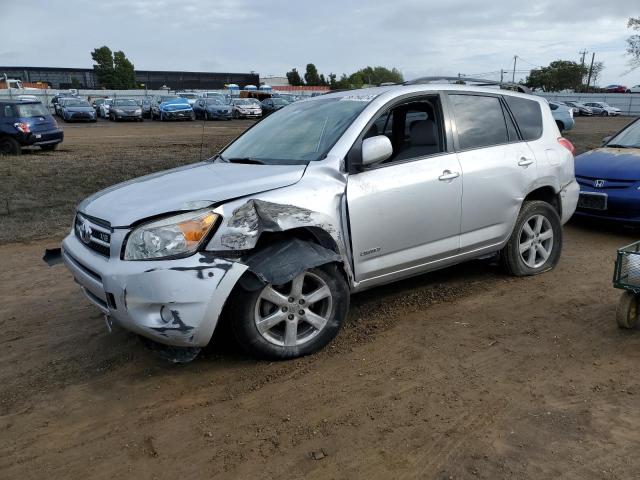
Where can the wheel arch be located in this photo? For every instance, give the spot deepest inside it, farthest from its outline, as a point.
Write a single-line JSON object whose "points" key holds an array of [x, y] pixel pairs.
{"points": [[546, 193]]}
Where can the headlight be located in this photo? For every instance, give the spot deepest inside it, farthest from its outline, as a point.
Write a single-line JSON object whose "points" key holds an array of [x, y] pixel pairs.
{"points": [[138, 111], [179, 235], [117, 110]]}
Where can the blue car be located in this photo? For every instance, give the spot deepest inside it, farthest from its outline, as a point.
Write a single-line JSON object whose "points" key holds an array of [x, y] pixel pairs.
{"points": [[25, 124], [609, 178], [176, 109]]}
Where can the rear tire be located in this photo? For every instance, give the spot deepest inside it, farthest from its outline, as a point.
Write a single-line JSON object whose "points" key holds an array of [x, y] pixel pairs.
{"points": [[8, 146], [535, 244], [289, 335]]}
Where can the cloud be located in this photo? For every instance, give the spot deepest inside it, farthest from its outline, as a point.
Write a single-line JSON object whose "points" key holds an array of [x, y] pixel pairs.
{"points": [[418, 37]]}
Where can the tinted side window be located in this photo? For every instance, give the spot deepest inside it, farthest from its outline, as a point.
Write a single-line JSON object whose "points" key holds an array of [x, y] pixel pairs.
{"points": [[479, 120], [528, 116]]}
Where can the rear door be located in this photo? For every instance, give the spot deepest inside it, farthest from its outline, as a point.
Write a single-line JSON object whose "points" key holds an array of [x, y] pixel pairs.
{"points": [[498, 168], [404, 213]]}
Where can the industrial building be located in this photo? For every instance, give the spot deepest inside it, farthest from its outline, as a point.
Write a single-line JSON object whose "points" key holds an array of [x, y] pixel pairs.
{"points": [[85, 78]]}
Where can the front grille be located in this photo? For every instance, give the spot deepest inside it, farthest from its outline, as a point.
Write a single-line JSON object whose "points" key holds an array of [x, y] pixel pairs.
{"points": [[94, 233], [604, 183]]}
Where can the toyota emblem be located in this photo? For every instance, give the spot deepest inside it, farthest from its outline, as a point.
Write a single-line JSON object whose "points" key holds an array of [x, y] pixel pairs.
{"points": [[84, 231], [598, 183]]}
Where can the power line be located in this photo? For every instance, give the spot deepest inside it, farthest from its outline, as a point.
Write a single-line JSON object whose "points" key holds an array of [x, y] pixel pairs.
{"points": [[528, 62]]}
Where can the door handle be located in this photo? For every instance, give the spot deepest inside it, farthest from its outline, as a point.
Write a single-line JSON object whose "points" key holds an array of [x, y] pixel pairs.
{"points": [[525, 162], [448, 175]]}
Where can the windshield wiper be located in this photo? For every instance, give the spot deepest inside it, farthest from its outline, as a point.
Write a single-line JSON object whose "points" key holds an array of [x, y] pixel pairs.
{"points": [[617, 145], [247, 160]]}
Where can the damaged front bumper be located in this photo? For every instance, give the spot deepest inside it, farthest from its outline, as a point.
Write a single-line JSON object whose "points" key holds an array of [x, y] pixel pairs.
{"points": [[175, 302]]}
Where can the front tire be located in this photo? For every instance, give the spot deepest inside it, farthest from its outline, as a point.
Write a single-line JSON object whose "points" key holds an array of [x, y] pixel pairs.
{"points": [[280, 322], [8, 146], [535, 244]]}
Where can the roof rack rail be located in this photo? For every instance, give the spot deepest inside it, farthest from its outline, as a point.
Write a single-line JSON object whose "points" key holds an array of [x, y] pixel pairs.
{"points": [[469, 80]]}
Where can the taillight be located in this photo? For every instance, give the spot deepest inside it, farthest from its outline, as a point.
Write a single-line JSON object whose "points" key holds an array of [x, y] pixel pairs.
{"points": [[23, 127], [567, 144]]}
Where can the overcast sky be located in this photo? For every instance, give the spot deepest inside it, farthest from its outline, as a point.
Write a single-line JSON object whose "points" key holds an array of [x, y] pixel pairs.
{"points": [[419, 37]]}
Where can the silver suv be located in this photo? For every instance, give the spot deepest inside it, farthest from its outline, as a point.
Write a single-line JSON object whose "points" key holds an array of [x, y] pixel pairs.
{"points": [[325, 197]]}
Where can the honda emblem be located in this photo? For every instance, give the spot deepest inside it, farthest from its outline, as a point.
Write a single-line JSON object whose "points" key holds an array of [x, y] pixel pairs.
{"points": [[598, 183]]}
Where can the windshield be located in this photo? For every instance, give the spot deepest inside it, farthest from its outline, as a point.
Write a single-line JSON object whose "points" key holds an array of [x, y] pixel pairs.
{"points": [[302, 132], [32, 110], [125, 102], [76, 103], [215, 101], [280, 101], [628, 138], [188, 95], [242, 102], [167, 98]]}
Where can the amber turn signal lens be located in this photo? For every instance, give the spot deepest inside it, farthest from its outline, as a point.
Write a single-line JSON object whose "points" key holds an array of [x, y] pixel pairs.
{"points": [[194, 230]]}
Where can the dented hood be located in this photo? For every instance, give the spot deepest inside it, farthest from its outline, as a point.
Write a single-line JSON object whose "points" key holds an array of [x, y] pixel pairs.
{"points": [[185, 188], [609, 163]]}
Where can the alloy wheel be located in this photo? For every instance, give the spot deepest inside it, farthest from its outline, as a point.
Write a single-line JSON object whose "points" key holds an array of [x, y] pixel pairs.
{"points": [[535, 241], [293, 314]]}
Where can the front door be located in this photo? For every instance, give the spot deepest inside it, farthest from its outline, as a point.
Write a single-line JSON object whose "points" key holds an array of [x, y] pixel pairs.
{"points": [[405, 213]]}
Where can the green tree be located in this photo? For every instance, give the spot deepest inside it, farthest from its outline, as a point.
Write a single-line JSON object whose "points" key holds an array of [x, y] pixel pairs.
{"points": [[103, 58], [311, 76], [633, 43], [113, 70], [375, 76], [595, 72], [343, 83], [125, 75], [333, 82], [294, 78], [559, 75]]}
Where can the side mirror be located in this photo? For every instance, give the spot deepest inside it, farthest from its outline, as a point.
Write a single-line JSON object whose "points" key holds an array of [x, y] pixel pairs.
{"points": [[376, 149], [606, 139]]}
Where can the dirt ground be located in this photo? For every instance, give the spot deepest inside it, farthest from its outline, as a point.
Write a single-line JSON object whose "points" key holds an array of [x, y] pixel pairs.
{"points": [[462, 373]]}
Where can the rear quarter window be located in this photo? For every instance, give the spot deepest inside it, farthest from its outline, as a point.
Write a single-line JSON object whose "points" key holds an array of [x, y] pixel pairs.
{"points": [[528, 116]]}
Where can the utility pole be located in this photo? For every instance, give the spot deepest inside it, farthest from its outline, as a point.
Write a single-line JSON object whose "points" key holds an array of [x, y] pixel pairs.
{"points": [[593, 56], [513, 76], [583, 53], [501, 75]]}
